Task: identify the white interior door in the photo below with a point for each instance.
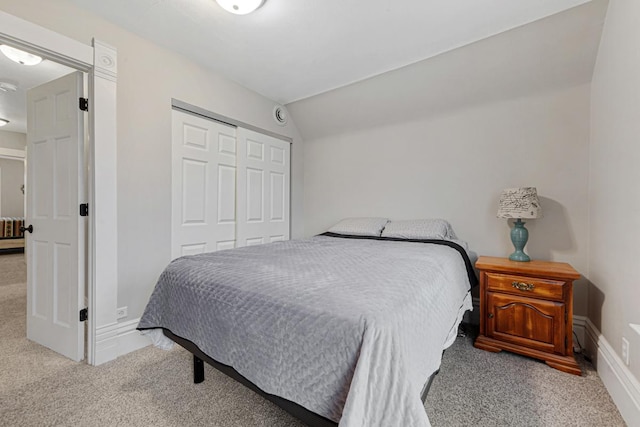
(203, 185)
(55, 188)
(263, 188)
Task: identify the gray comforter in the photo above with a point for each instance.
(350, 329)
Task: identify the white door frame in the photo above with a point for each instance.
(100, 62)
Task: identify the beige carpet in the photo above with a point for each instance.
(151, 387)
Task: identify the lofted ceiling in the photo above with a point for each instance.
(551, 54)
(291, 50)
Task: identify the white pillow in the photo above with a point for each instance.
(419, 229)
(360, 226)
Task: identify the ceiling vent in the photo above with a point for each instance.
(280, 115)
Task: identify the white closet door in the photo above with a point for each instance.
(203, 185)
(263, 189)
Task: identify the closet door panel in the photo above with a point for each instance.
(263, 188)
(203, 185)
(226, 194)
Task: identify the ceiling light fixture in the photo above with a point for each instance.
(4, 122)
(20, 56)
(240, 7)
(8, 87)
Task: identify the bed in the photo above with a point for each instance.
(337, 328)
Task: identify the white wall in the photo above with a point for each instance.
(11, 179)
(443, 137)
(13, 140)
(454, 166)
(12, 176)
(614, 181)
(148, 77)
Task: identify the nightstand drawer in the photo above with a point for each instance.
(525, 286)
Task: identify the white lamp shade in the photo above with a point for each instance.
(519, 203)
(20, 56)
(240, 7)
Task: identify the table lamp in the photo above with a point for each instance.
(519, 203)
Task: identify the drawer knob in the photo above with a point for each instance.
(523, 286)
(490, 315)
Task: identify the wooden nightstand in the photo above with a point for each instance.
(527, 308)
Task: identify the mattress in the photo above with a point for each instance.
(349, 328)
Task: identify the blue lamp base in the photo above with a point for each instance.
(519, 237)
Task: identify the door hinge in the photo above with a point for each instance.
(83, 104)
(84, 314)
(84, 209)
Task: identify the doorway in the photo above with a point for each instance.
(40, 109)
(99, 61)
(12, 261)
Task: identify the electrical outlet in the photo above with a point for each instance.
(625, 351)
(121, 312)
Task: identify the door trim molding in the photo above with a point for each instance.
(185, 107)
(100, 62)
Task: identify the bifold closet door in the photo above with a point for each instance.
(262, 188)
(203, 193)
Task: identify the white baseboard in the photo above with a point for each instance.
(622, 385)
(117, 339)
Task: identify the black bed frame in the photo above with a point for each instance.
(308, 417)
